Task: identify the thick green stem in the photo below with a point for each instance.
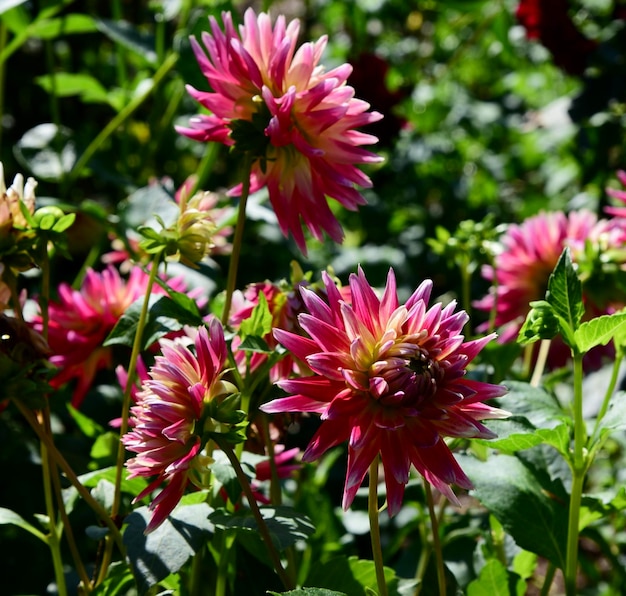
(132, 368)
(231, 282)
(434, 524)
(372, 508)
(579, 466)
(256, 512)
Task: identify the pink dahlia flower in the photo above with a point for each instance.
(80, 321)
(530, 253)
(296, 120)
(284, 305)
(389, 379)
(167, 418)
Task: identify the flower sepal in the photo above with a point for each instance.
(223, 418)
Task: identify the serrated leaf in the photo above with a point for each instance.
(286, 526)
(259, 323)
(514, 434)
(565, 294)
(557, 437)
(166, 549)
(493, 580)
(7, 516)
(600, 331)
(513, 493)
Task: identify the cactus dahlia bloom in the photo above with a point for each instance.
(389, 379)
(296, 120)
(530, 253)
(166, 420)
(80, 321)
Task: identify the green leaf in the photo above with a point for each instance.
(164, 316)
(259, 323)
(64, 84)
(165, 550)
(493, 580)
(565, 295)
(557, 437)
(615, 417)
(600, 331)
(535, 404)
(350, 575)
(118, 581)
(254, 343)
(56, 27)
(86, 425)
(125, 34)
(226, 476)
(286, 526)
(7, 516)
(522, 503)
(514, 434)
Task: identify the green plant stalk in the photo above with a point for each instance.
(69, 473)
(121, 117)
(617, 363)
(53, 537)
(372, 509)
(256, 512)
(548, 579)
(434, 524)
(132, 368)
(231, 281)
(69, 534)
(578, 466)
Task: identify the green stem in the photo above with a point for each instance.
(53, 537)
(372, 508)
(578, 466)
(69, 534)
(548, 579)
(124, 114)
(256, 512)
(434, 523)
(132, 368)
(617, 363)
(70, 474)
(231, 281)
